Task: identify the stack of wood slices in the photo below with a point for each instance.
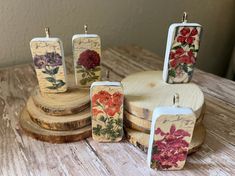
(146, 90)
(58, 118)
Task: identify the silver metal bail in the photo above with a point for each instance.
(185, 17)
(47, 31)
(176, 100)
(85, 28)
(107, 75)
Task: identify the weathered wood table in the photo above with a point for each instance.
(22, 155)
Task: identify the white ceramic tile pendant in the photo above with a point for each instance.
(182, 48)
(87, 57)
(49, 63)
(170, 136)
(107, 111)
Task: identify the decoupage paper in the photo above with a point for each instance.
(183, 54)
(87, 56)
(49, 65)
(173, 135)
(107, 113)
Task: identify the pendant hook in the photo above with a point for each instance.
(47, 31)
(85, 28)
(107, 75)
(176, 100)
(185, 17)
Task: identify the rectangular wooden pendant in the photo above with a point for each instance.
(87, 56)
(49, 64)
(181, 52)
(170, 136)
(107, 111)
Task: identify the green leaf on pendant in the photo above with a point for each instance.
(185, 68)
(60, 83)
(50, 79)
(51, 87)
(102, 119)
(96, 69)
(97, 130)
(55, 70)
(83, 81)
(172, 73)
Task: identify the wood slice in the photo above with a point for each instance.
(70, 102)
(140, 139)
(146, 90)
(35, 131)
(144, 125)
(60, 123)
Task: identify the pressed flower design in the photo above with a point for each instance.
(88, 64)
(183, 54)
(187, 35)
(106, 110)
(171, 149)
(50, 64)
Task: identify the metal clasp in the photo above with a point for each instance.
(85, 28)
(176, 100)
(185, 17)
(107, 75)
(47, 31)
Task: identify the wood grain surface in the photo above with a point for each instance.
(23, 155)
(58, 123)
(146, 90)
(32, 129)
(144, 125)
(72, 101)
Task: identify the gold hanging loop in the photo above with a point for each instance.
(47, 31)
(185, 17)
(176, 100)
(107, 75)
(85, 28)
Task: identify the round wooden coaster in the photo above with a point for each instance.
(146, 90)
(39, 133)
(60, 123)
(144, 125)
(70, 102)
(140, 139)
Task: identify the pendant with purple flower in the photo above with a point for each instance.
(50, 64)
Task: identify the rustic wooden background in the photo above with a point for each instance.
(22, 155)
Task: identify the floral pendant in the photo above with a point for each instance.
(87, 56)
(170, 138)
(49, 64)
(107, 111)
(181, 57)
